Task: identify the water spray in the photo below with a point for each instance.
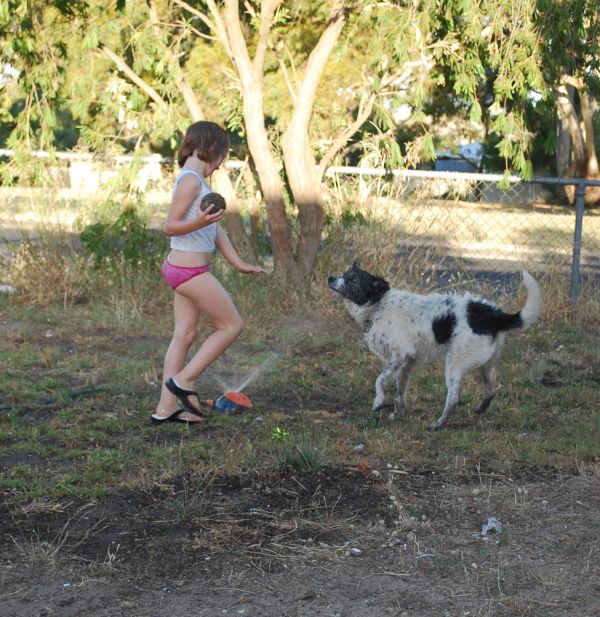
(233, 400)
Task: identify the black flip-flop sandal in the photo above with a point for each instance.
(174, 417)
(183, 395)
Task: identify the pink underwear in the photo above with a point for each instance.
(177, 275)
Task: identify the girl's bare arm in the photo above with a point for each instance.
(228, 251)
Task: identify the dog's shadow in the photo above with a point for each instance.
(381, 419)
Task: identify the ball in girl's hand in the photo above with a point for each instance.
(215, 200)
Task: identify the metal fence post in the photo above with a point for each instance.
(579, 209)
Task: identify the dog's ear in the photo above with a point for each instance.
(355, 265)
(381, 286)
(376, 289)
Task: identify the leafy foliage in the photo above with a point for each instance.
(473, 65)
(128, 238)
(116, 112)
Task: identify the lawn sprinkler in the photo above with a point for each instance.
(234, 403)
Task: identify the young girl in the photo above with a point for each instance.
(195, 235)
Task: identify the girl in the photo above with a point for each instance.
(195, 235)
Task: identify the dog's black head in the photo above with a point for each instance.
(359, 286)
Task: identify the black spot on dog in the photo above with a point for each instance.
(487, 319)
(443, 327)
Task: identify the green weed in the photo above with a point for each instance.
(303, 451)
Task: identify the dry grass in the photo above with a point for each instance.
(407, 236)
(443, 245)
(49, 267)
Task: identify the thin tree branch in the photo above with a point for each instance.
(292, 66)
(201, 16)
(201, 35)
(375, 139)
(221, 28)
(268, 9)
(183, 85)
(291, 86)
(190, 98)
(216, 25)
(314, 69)
(286, 78)
(154, 21)
(239, 50)
(131, 74)
(364, 111)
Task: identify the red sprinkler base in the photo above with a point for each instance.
(231, 402)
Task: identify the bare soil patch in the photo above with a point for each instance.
(337, 541)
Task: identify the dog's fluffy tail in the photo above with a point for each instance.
(533, 305)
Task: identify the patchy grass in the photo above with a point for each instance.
(78, 391)
(311, 478)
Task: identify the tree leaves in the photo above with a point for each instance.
(476, 60)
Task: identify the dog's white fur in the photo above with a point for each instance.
(406, 330)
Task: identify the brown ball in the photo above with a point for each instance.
(215, 200)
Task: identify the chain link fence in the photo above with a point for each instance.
(486, 228)
(463, 226)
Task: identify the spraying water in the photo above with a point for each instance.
(251, 377)
(229, 385)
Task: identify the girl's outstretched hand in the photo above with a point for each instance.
(246, 268)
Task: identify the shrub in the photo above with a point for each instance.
(128, 238)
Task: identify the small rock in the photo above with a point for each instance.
(492, 525)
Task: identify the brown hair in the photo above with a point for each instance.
(208, 139)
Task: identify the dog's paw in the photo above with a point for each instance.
(483, 405)
(378, 403)
(434, 426)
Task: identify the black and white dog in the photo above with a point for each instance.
(405, 330)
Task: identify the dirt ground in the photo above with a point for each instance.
(345, 541)
(339, 542)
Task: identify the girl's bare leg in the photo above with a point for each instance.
(210, 298)
(186, 322)
(203, 294)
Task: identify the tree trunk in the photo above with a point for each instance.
(251, 83)
(563, 147)
(303, 174)
(270, 186)
(255, 200)
(576, 151)
(587, 112)
(233, 216)
(301, 168)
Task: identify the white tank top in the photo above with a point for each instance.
(201, 240)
